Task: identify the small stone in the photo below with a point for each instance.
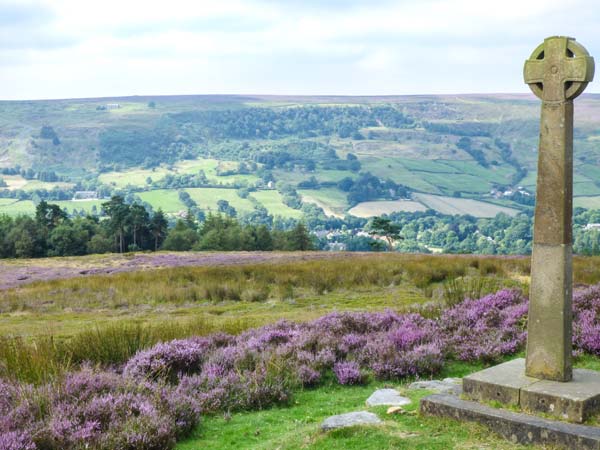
(350, 419)
(387, 397)
(395, 410)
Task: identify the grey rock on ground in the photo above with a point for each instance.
(387, 397)
(445, 386)
(350, 419)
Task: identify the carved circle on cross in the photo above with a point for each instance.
(559, 69)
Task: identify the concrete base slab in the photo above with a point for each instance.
(517, 427)
(506, 383)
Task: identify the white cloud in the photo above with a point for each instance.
(122, 47)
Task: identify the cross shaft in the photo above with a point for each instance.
(557, 72)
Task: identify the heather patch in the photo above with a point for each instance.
(159, 395)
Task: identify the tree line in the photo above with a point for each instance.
(130, 227)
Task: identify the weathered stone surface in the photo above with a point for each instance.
(387, 397)
(350, 419)
(557, 72)
(549, 347)
(501, 383)
(445, 386)
(553, 64)
(516, 427)
(574, 401)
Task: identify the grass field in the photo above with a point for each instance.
(397, 172)
(273, 202)
(585, 189)
(14, 208)
(138, 177)
(207, 199)
(298, 290)
(134, 177)
(377, 208)
(332, 200)
(80, 205)
(587, 202)
(166, 199)
(297, 176)
(451, 205)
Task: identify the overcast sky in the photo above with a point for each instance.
(88, 48)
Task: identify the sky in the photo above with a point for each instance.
(89, 48)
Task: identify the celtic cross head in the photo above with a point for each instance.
(559, 69)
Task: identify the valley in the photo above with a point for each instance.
(284, 156)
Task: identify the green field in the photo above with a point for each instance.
(134, 177)
(332, 200)
(371, 209)
(397, 172)
(138, 177)
(585, 189)
(587, 202)
(207, 199)
(273, 202)
(451, 205)
(13, 207)
(165, 199)
(81, 205)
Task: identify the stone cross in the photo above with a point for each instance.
(557, 72)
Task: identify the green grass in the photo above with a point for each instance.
(451, 205)
(298, 426)
(296, 176)
(166, 199)
(377, 208)
(587, 202)
(460, 182)
(494, 174)
(14, 208)
(35, 184)
(207, 199)
(133, 177)
(273, 202)
(585, 189)
(426, 165)
(137, 177)
(332, 200)
(396, 171)
(79, 205)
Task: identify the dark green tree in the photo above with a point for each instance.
(299, 238)
(117, 211)
(384, 227)
(159, 228)
(180, 238)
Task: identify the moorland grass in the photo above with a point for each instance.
(49, 326)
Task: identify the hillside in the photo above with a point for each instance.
(366, 155)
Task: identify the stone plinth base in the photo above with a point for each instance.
(506, 383)
(517, 427)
